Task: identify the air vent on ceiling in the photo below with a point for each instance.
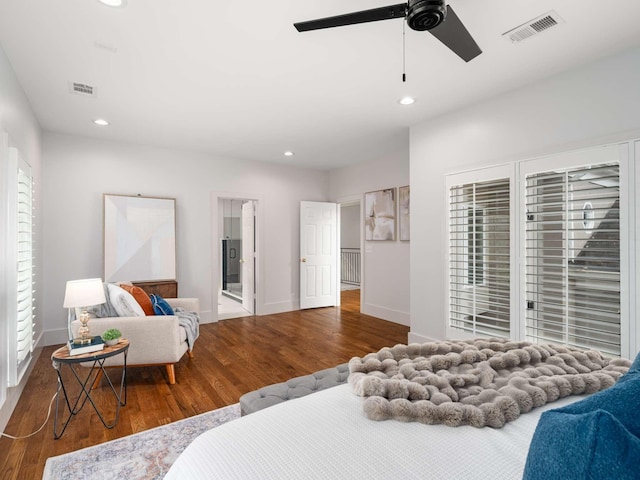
(533, 27)
(82, 89)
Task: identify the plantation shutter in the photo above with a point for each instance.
(573, 257)
(22, 326)
(479, 258)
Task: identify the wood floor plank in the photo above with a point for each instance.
(232, 357)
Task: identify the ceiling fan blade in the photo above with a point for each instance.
(454, 35)
(373, 15)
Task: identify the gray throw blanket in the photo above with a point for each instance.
(482, 382)
(104, 310)
(191, 323)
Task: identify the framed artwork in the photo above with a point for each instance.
(380, 214)
(404, 225)
(139, 238)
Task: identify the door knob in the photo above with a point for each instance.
(303, 260)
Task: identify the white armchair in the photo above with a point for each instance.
(153, 340)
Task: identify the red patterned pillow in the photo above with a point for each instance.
(141, 297)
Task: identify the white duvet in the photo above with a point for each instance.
(326, 436)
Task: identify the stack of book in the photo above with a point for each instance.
(96, 345)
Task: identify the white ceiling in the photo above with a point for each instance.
(236, 79)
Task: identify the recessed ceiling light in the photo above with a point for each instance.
(288, 153)
(101, 121)
(114, 3)
(406, 101)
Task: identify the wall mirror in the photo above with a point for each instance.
(139, 238)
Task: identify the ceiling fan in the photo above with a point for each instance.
(433, 15)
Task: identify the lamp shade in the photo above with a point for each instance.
(84, 293)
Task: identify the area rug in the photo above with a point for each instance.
(142, 456)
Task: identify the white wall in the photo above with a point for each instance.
(594, 104)
(385, 280)
(19, 122)
(80, 170)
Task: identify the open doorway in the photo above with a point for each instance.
(350, 256)
(236, 295)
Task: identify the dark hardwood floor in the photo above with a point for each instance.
(232, 357)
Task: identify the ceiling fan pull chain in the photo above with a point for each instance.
(404, 63)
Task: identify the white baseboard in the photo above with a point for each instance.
(278, 307)
(395, 316)
(417, 338)
(14, 393)
(265, 309)
(207, 317)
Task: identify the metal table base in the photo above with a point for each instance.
(74, 406)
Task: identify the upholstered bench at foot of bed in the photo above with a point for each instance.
(294, 388)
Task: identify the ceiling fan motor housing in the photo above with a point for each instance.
(425, 14)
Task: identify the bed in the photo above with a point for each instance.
(326, 435)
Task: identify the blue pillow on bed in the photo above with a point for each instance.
(598, 437)
(160, 305)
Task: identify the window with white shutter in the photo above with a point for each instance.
(21, 279)
(539, 250)
(480, 257)
(573, 257)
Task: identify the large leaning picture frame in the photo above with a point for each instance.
(139, 238)
(380, 214)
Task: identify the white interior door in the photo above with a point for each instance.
(248, 257)
(318, 254)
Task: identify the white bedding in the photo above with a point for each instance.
(326, 436)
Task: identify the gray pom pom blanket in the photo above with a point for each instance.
(482, 382)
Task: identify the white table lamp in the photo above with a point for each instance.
(82, 294)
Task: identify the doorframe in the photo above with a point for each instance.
(216, 232)
(356, 199)
(252, 253)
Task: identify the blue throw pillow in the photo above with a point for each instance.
(160, 305)
(598, 437)
(634, 368)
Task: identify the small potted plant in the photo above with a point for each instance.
(111, 336)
